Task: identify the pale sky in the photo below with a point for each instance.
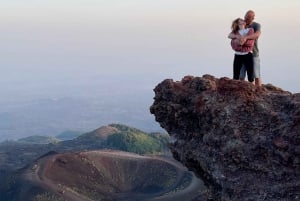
(59, 45)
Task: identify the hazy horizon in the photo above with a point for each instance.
(123, 49)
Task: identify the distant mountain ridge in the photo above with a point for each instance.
(68, 135)
(36, 139)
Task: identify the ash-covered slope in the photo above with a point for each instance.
(243, 141)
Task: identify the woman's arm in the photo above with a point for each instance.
(253, 35)
(247, 46)
(232, 35)
(249, 42)
(250, 35)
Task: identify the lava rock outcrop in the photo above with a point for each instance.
(243, 141)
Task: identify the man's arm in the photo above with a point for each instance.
(234, 36)
(252, 36)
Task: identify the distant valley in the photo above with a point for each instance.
(113, 162)
(52, 116)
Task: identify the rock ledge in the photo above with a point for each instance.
(241, 140)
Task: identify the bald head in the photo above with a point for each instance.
(250, 12)
(249, 17)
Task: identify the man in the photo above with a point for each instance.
(249, 19)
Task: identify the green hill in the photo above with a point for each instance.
(125, 138)
(134, 140)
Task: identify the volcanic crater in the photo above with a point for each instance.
(113, 175)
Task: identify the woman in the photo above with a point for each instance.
(243, 50)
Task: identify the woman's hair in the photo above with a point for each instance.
(235, 25)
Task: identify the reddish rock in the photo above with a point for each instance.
(242, 140)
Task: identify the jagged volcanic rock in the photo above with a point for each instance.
(242, 140)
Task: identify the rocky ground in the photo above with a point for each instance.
(242, 141)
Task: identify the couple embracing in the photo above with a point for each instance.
(244, 35)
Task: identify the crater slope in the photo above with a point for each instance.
(111, 175)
